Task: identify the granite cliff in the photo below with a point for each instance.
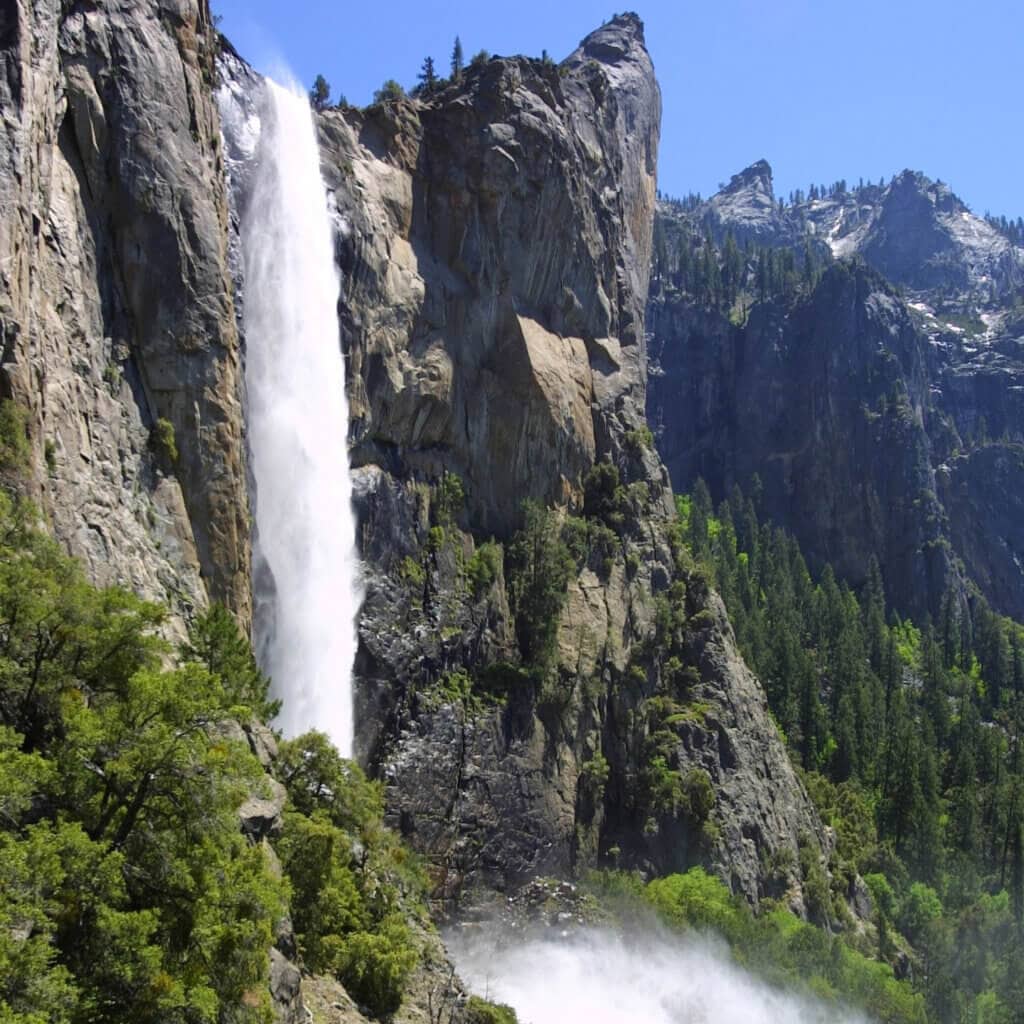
(116, 311)
(496, 244)
(871, 396)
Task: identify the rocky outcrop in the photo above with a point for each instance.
(495, 241)
(116, 310)
(747, 209)
(484, 335)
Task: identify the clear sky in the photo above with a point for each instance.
(823, 90)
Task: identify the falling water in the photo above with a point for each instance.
(305, 568)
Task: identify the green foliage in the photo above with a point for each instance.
(320, 94)
(215, 642)
(456, 687)
(374, 966)
(129, 892)
(427, 76)
(480, 1011)
(412, 571)
(596, 772)
(484, 567)
(14, 446)
(351, 880)
(920, 910)
(540, 566)
(450, 497)
(640, 440)
(164, 443)
(909, 738)
(697, 900)
(777, 945)
(390, 92)
(456, 61)
(604, 497)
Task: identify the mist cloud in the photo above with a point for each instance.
(598, 976)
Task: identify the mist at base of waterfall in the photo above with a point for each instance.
(598, 976)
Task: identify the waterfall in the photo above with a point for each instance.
(305, 567)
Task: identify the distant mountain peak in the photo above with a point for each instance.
(758, 175)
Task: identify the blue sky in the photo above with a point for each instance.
(822, 90)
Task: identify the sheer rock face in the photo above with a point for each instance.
(865, 410)
(115, 308)
(496, 252)
(829, 405)
(495, 242)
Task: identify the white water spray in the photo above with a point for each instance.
(305, 567)
(601, 977)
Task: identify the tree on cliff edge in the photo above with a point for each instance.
(457, 59)
(320, 94)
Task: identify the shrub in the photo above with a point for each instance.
(639, 440)
(374, 966)
(920, 910)
(412, 571)
(349, 876)
(164, 443)
(604, 497)
(595, 772)
(698, 794)
(576, 537)
(480, 1011)
(14, 446)
(390, 92)
(450, 497)
(484, 566)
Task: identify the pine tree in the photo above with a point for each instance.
(428, 76)
(457, 59)
(320, 94)
(700, 513)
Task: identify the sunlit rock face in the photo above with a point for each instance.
(495, 243)
(116, 305)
